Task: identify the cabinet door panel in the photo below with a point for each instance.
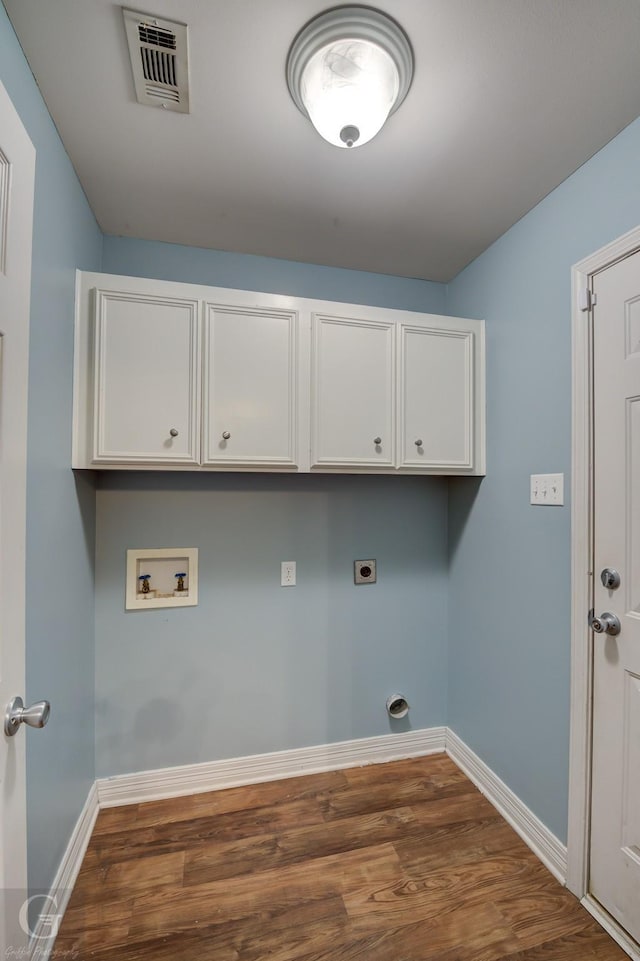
(353, 392)
(250, 386)
(437, 398)
(146, 383)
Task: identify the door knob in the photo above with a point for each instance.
(606, 624)
(16, 714)
(610, 579)
(226, 434)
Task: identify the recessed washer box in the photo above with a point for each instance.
(161, 577)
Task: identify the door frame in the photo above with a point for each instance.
(17, 184)
(582, 505)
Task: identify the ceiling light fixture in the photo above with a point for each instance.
(348, 69)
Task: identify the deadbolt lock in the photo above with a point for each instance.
(610, 579)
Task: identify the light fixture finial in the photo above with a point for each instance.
(348, 69)
(350, 135)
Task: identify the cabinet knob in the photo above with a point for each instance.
(377, 441)
(226, 434)
(173, 432)
(419, 442)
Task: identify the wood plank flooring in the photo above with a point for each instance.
(394, 862)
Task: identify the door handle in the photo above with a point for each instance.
(16, 714)
(606, 624)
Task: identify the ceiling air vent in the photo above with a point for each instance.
(159, 60)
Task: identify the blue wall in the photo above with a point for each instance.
(60, 511)
(194, 265)
(256, 667)
(509, 643)
(270, 668)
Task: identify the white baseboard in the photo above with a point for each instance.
(544, 844)
(42, 938)
(234, 772)
(611, 926)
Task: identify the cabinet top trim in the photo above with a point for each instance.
(259, 300)
(108, 293)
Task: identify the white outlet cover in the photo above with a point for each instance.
(287, 574)
(547, 490)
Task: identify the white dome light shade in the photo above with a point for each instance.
(348, 69)
(348, 89)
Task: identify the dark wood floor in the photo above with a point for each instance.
(395, 862)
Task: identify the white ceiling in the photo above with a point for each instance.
(509, 98)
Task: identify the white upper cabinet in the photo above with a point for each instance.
(353, 392)
(437, 398)
(145, 398)
(172, 376)
(250, 386)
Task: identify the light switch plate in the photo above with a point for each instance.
(547, 490)
(364, 572)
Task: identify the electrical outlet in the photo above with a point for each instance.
(288, 574)
(364, 572)
(547, 489)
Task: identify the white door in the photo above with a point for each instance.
(353, 395)
(250, 386)
(17, 164)
(615, 825)
(147, 364)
